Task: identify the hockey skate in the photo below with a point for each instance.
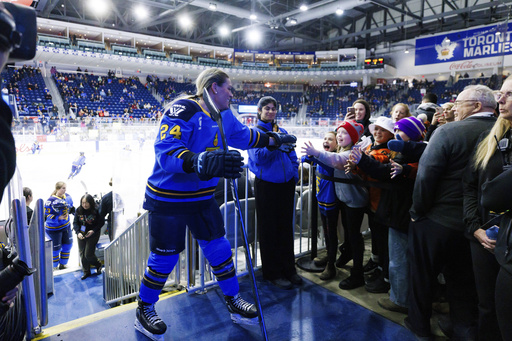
(242, 312)
(148, 323)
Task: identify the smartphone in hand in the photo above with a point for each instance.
(351, 114)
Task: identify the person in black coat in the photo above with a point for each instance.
(487, 190)
(436, 233)
(87, 226)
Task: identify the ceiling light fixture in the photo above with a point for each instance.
(140, 12)
(212, 6)
(339, 11)
(406, 51)
(303, 8)
(253, 16)
(185, 21)
(293, 21)
(224, 31)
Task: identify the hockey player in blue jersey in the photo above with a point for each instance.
(76, 167)
(190, 157)
(57, 225)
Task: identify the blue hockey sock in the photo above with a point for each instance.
(158, 269)
(218, 253)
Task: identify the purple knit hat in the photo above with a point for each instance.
(412, 127)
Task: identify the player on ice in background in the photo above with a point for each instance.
(141, 141)
(190, 158)
(76, 167)
(36, 147)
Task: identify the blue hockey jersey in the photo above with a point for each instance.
(325, 191)
(187, 129)
(54, 208)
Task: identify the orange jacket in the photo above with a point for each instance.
(382, 154)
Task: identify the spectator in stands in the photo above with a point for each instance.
(399, 111)
(436, 234)
(87, 226)
(274, 193)
(428, 106)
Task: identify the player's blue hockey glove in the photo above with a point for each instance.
(219, 163)
(396, 145)
(283, 142)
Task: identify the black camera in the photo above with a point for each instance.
(18, 31)
(12, 272)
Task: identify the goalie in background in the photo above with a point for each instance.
(76, 167)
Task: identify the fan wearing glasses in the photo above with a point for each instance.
(469, 103)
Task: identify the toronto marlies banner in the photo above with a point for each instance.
(484, 42)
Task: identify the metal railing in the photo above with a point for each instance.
(28, 242)
(126, 256)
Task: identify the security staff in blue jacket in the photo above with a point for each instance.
(190, 157)
(276, 174)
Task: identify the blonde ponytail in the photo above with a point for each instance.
(489, 145)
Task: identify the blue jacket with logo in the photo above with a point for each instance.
(273, 165)
(185, 130)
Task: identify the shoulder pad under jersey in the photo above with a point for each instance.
(182, 109)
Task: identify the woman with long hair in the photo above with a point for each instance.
(87, 226)
(493, 155)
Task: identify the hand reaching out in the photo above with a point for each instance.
(355, 155)
(349, 167)
(89, 233)
(396, 169)
(308, 149)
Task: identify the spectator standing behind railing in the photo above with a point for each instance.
(436, 234)
(353, 198)
(493, 156)
(87, 226)
(329, 209)
(396, 199)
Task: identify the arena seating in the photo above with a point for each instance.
(28, 100)
(111, 103)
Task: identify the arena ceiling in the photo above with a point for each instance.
(283, 25)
